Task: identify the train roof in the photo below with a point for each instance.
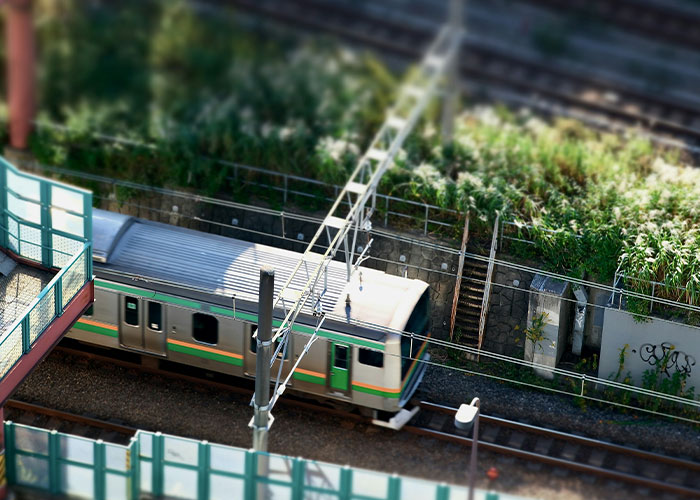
(226, 267)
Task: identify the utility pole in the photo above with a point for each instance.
(450, 100)
(262, 419)
(20, 71)
(262, 363)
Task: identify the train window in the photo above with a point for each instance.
(341, 356)
(131, 311)
(205, 328)
(371, 358)
(90, 311)
(155, 316)
(254, 344)
(253, 341)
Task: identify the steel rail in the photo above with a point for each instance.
(301, 13)
(562, 462)
(221, 384)
(647, 455)
(669, 21)
(70, 417)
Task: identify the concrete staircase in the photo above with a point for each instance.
(471, 296)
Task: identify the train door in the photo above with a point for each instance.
(141, 325)
(154, 328)
(340, 366)
(131, 322)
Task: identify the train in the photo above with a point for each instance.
(168, 292)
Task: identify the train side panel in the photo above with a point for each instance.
(336, 367)
(100, 324)
(377, 377)
(205, 340)
(312, 374)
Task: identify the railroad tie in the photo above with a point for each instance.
(437, 421)
(113, 437)
(624, 464)
(677, 476)
(652, 471)
(489, 434)
(543, 445)
(24, 418)
(80, 430)
(597, 458)
(570, 451)
(516, 440)
(53, 423)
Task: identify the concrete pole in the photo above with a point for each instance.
(262, 363)
(262, 377)
(21, 60)
(450, 101)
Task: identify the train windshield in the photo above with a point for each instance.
(417, 323)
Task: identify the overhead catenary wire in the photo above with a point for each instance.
(496, 357)
(434, 246)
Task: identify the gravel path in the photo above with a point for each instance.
(158, 404)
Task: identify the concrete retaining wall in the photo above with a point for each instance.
(647, 342)
(507, 310)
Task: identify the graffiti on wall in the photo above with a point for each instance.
(664, 354)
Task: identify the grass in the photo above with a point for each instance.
(194, 87)
(593, 201)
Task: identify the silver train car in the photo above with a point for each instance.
(190, 297)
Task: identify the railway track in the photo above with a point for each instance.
(592, 457)
(569, 451)
(662, 20)
(491, 69)
(68, 423)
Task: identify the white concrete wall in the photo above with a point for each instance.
(646, 342)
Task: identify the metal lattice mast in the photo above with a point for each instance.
(450, 101)
(360, 191)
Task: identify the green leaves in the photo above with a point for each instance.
(581, 197)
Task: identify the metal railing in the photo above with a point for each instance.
(44, 221)
(621, 277)
(520, 227)
(460, 270)
(487, 286)
(163, 466)
(384, 201)
(50, 304)
(506, 369)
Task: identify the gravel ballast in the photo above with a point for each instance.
(555, 411)
(156, 403)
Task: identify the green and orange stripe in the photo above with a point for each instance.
(205, 352)
(92, 326)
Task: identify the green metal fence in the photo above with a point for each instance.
(50, 304)
(42, 220)
(158, 465)
(49, 223)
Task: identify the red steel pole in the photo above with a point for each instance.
(21, 60)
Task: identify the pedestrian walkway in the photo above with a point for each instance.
(45, 268)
